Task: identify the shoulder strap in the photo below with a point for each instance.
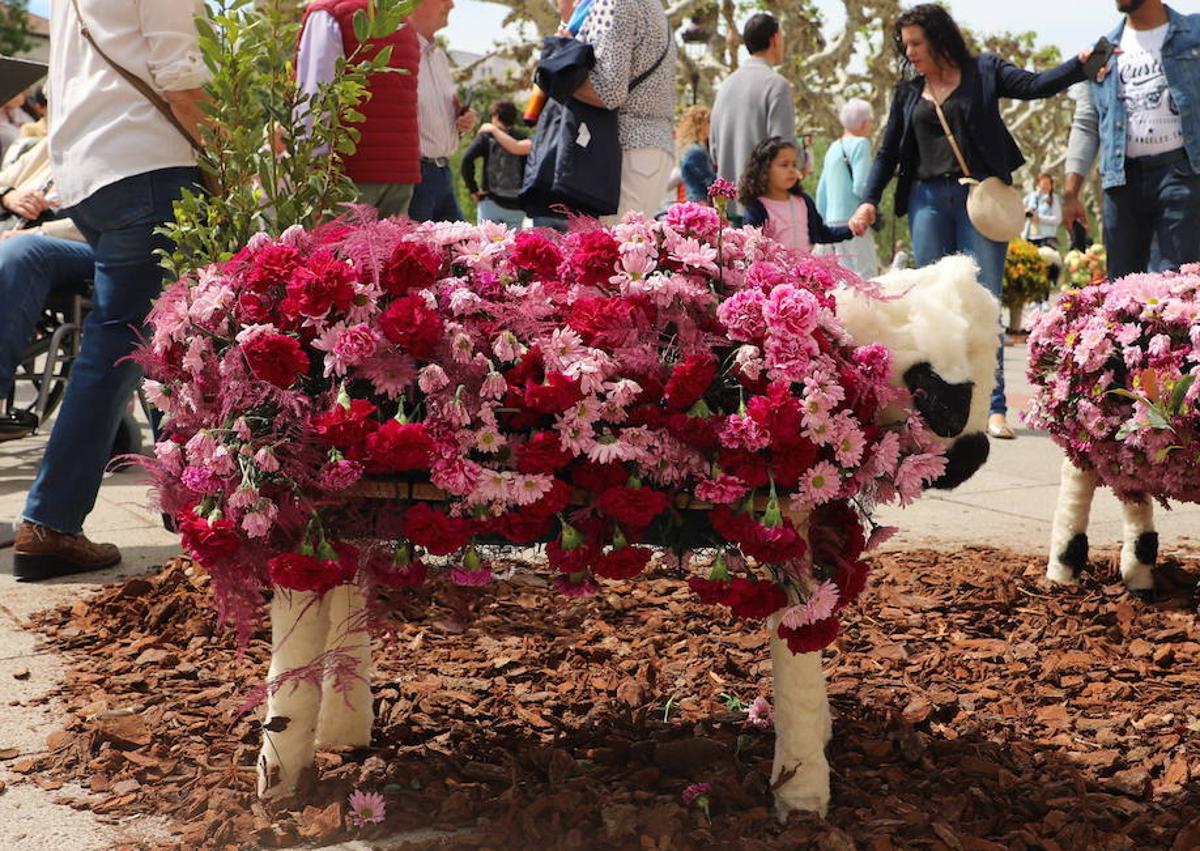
(845, 157)
(157, 100)
(641, 78)
(962, 162)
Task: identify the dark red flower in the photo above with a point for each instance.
(791, 460)
(542, 453)
(412, 325)
(552, 503)
(324, 282)
(750, 467)
(810, 638)
(593, 255)
(271, 266)
(412, 266)
(345, 427)
(299, 572)
(597, 478)
(697, 432)
(633, 507)
(732, 526)
(773, 545)
(434, 530)
(851, 579)
(534, 253)
(689, 381)
(710, 591)
(755, 600)
(255, 308)
(578, 560)
(275, 358)
(386, 572)
(624, 563)
(521, 527)
(397, 447)
(836, 532)
(778, 412)
(208, 542)
(602, 322)
(553, 396)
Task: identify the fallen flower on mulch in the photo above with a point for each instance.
(976, 709)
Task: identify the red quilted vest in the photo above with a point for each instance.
(390, 148)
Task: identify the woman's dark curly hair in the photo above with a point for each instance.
(945, 39)
(757, 172)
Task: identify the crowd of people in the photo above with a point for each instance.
(87, 201)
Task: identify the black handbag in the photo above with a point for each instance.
(576, 157)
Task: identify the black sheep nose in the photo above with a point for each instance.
(944, 406)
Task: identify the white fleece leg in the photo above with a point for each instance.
(803, 723)
(1069, 533)
(346, 718)
(299, 629)
(1139, 550)
(802, 727)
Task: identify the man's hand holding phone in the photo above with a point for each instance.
(1095, 61)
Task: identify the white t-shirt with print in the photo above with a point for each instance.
(1153, 125)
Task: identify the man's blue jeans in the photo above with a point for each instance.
(1159, 205)
(118, 221)
(433, 198)
(31, 267)
(489, 211)
(938, 221)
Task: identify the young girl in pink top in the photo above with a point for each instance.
(769, 192)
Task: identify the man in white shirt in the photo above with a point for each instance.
(442, 119)
(1144, 120)
(119, 164)
(754, 103)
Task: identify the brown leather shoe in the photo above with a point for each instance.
(41, 553)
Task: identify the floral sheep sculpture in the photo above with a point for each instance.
(581, 392)
(1114, 368)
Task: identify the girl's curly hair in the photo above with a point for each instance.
(757, 172)
(945, 39)
(693, 126)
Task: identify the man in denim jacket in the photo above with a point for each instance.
(1144, 118)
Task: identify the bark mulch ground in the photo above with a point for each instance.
(974, 709)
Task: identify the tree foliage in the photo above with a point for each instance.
(14, 27)
(274, 171)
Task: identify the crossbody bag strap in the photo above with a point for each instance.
(157, 100)
(958, 154)
(645, 75)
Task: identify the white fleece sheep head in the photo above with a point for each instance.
(942, 333)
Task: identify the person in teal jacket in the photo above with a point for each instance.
(843, 184)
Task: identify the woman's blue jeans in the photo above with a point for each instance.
(119, 222)
(938, 222)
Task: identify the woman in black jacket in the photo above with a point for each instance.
(968, 90)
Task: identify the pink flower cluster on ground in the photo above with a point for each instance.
(1114, 368)
(575, 391)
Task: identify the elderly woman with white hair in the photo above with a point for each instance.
(843, 182)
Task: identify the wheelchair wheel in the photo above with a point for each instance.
(30, 371)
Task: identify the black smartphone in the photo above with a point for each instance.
(1102, 51)
(1080, 239)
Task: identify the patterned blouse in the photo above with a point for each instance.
(629, 36)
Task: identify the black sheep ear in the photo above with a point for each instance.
(944, 406)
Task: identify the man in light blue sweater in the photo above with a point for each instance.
(754, 103)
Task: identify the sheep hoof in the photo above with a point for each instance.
(1146, 595)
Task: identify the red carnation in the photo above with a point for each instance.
(697, 432)
(542, 453)
(597, 478)
(299, 572)
(271, 266)
(791, 460)
(811, 637)
(624, 563)
(554, 502)
(208, 541)
(755, 600)
(432, 529)
(836, 533)
(602, 322)
(578, 560)
(275, 358)
(594, 255)
(412, 266)
(750, 467)
(710, 591)
(851, 579)
(255, 308)
(778, 412)
(322, 283)
(534, 253)
(386, 572)
(689, 380)
(773, 545)
(398, 447)
(554, 396)
(345, 427)
(633, 507)
(519, 527)
(732, 526)
(412, 325)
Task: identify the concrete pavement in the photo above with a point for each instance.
(1009, 503)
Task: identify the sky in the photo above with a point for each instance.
(475, 25)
